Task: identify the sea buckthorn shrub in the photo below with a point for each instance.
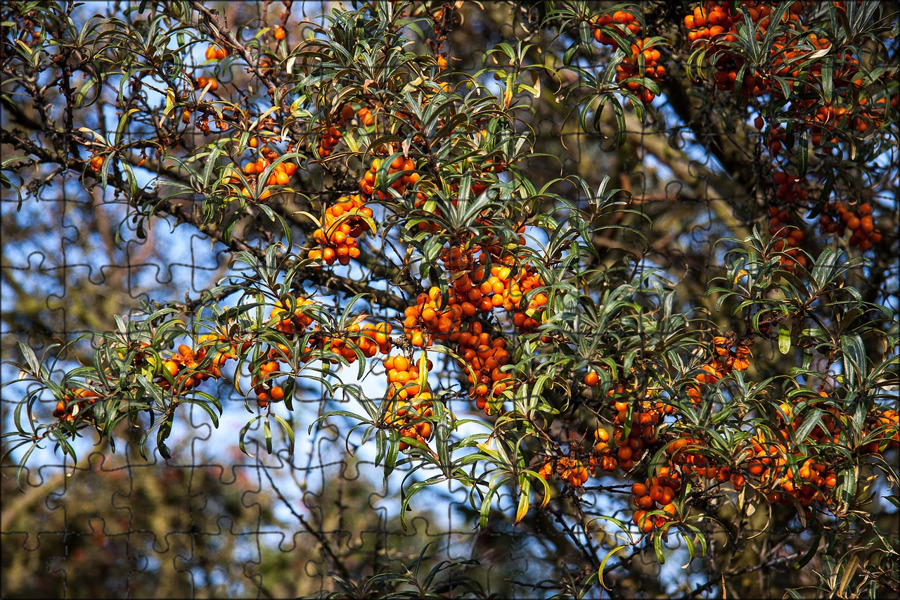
(641, 348)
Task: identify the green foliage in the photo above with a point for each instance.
(562, 338)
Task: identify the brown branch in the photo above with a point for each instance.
(182, 213)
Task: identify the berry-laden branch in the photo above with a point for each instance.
(391, 219)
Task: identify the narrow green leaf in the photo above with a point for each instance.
(784, 340)
(604, 561)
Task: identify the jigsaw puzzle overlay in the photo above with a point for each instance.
(449, 299)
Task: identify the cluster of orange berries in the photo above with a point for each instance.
(427, 320)
(837, 218)
(485, 356)
(262, 386)
(765, 461)
(472, 282)
(96, 163)
(366, 118)
(407, 403)
(473, 290)
(827, 118)
(73, 402)
(430, 319)
(646, 415)
(407, 176)
(280, 175)
(499, 289)
(624, 21)
(655, 494)
(329, 140)
(714, 24)
(492, 292)
(187, 368)
(202, 81)
(685, 457)
(728, 356)
(714, 19)
(379, 334)
(630, 66)
(224, 350)
(775, 138)
(572, 471)
(365, 115)
(403, 377)
(215, 53)
(890, 420)
(344, 223)
(182, 366)
(526, 320)
(827, 431)
(291, 322)
(787, 238)
(601, 456)
(790, 189)
(369, 338)
(474, 297)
